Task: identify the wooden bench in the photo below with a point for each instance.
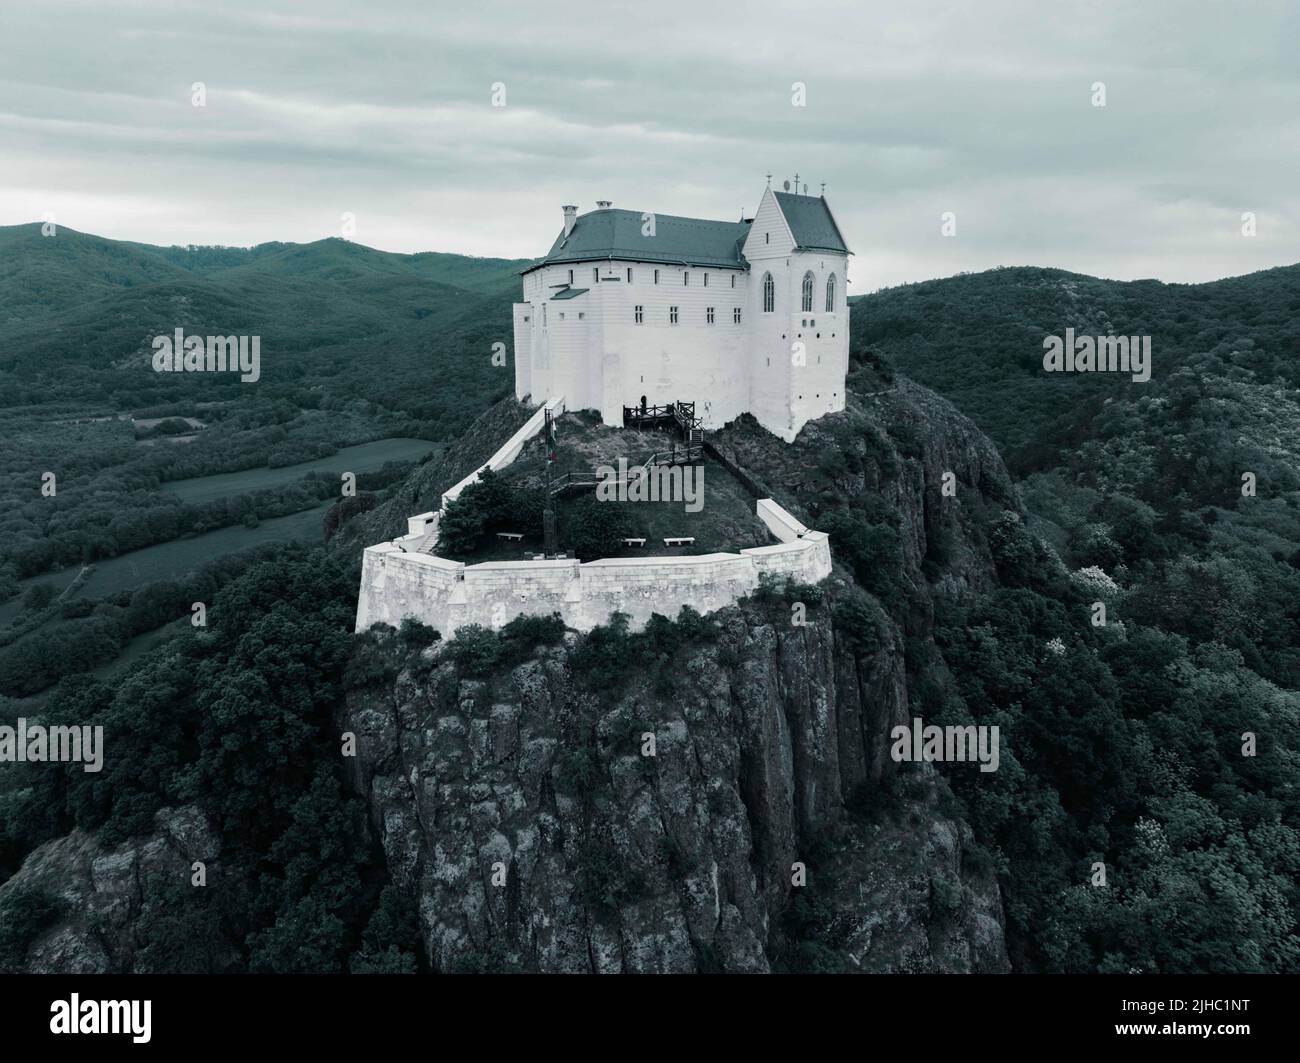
(634, 542)
(680, 540)
(513, 537)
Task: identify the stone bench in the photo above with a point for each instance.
(513, 537)
(634, 542)
(681, 540)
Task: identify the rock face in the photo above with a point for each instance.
(103, 891)
(535, 832)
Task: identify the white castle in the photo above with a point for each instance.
(630, 308)
(633, 309)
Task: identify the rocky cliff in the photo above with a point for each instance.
(722, 798)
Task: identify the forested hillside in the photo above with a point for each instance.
(1188, 687)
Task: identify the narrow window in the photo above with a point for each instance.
(640, 315)
(735, 316)
(708, 315)
(672, 315)
(570, 278)
(807, 291)
(595, 275)
(733, 280)
(686, 278)
(656, 276)
(769, 294)
(767, 238)
(706, 280)
(830, 293)
(629, 274)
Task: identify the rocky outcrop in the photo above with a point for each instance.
(529, 817)
(103, 893)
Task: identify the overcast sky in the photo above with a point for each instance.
(384, 110)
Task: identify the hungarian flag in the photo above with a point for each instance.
(550, 438)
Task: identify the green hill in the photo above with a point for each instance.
(978, 339)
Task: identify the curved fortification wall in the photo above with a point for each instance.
(397, 581)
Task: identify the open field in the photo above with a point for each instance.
(364, 457)
(175, 558)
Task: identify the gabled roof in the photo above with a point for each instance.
(611, 233)
(811, 223)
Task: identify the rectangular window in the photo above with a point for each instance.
(581, 315)
(735, 316)
(767, 238)
(672, 315)
(708, 315)
(706, 280)
(571, 277)
(595, 275)
(656, 276)
(629, 274)
(640, 315)
(526, 319)
(686, 278)
(561, 315)
(733, 280)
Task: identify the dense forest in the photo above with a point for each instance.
(1137, 727)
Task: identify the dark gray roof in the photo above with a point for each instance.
(570, 293)
(811, 223)
(611, 233)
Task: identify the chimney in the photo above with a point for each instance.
(604, 204)
(570, 217)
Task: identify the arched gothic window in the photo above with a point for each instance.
(807, 292)
(830, 294)
(769, 294)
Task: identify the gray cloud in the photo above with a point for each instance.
(383, 110)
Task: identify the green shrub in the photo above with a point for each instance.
(477, 648)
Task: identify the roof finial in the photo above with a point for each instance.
(769, 180)
(823, 190)
(796, 183)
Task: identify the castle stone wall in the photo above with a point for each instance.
(447, 595)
